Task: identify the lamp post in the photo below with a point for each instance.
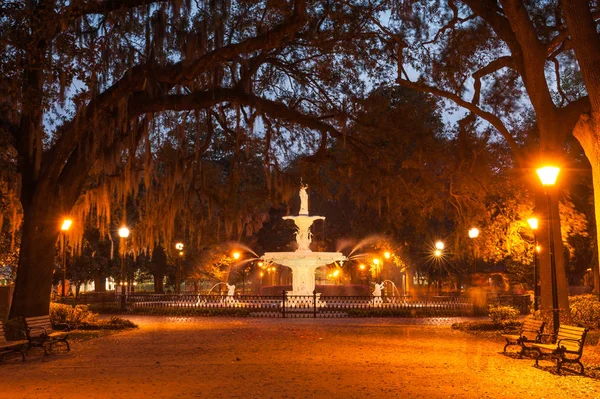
(362, 273)
(473, 234)
(179, 248)
(64, 228)
(548, 175)
(123, 233)
(439, 246)
(533, 224)
(236, 256)
(376, 263)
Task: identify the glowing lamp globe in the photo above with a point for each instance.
(66, 224)
(548, 175)
(533, 223)
(474, 232)
(123, 232)
(439, 245)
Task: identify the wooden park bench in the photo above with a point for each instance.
(567, 346)
(19, 346)
(530, 332)
(40, 333)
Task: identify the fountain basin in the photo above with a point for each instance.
(303, 265)
(303, 258)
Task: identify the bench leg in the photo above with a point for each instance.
(538, 356)
(66, 343)
(22, 350)
(581, 367)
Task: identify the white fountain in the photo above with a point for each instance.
(303, 261)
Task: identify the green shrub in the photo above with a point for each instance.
(485, 326)
(73, 317)
(585, 311)
(114, 323)
(502, 313)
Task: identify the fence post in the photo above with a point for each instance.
(315, 303)
(284, 299)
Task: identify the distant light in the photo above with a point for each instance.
(533, 223)
(439, 245)
(336, 273)
(179, 246)
(387, 254)
(538, 248)
(473, 232)
(376, 261)
(66, 224)
(236, 255)
(260, 264)
(123, 232)
(362, 267)
(261, 274)
(180, 253)
(548, 175)
(437, 253)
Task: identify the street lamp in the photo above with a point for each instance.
(548, 175)
(179, 248)
(123, 233)
(439, 246)
(473, 234)
(64, 228)
(533, 224)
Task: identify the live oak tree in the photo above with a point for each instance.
(504, 61)
(91, 90)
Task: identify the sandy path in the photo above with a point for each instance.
(290, 358)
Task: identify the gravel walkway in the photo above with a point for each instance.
(289, 358)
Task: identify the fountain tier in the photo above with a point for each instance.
(303, 265)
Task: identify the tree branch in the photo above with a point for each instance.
(144, 103)
(492, 67)
(569, 115)
(489, 117)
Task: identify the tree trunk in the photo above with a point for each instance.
(158, 283)
(588, 135)
(36, 260)
(586, 44)
(100, 283)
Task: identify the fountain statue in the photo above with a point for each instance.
(229, 299)
(303, 200)
(377, 301)
(303, 261)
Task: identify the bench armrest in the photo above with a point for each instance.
(577, 341)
